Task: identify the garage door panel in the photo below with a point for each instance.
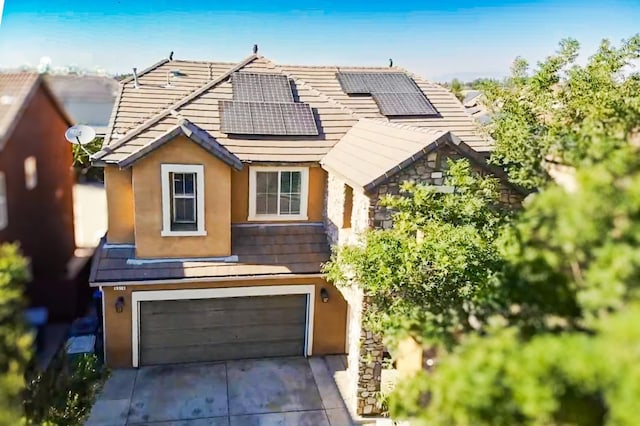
(175, 321)
(221, 352)
(222, 335)
(195, 330)
(224, 304)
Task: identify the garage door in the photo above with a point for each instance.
(174, 331)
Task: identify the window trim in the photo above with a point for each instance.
(304, 193)
(4, 205)
(165, 173)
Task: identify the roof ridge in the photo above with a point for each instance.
(145, 71)
(426, 130)
(167, 111)
(337, 67)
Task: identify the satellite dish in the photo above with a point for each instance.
(80, 134)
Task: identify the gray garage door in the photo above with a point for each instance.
(173, 331)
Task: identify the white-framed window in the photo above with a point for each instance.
(4, 211)
(182, 200)
(30, 172)
(278, 193)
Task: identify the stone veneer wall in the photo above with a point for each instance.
(364, 349)
(430, 170)
(334, 208)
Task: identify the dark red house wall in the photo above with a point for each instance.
(41, 219)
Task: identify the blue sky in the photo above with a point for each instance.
(437, 39)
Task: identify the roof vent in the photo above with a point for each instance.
(255, 49)
(135, 78)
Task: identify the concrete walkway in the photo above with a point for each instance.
(261, 392)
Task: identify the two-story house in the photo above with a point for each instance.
(36, 185)
(227, 183)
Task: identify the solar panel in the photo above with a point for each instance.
(267, 119)
(235, 117)
(276, 88)
(259, 118)
(404, 104)
(254, 87)
(298, 119)
(390, 83)
(376, 82)
(246, 87)
(353, 83)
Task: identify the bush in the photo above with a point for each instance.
(64, 393)
(15, 341)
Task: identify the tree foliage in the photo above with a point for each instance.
(438, 286)
(563, 111)
(15, 341)
(456, 88)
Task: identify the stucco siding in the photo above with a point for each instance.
(147, 193)
(329, 317)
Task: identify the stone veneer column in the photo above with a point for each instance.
(364, 358)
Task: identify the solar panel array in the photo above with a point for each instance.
(395, 93)
(403, 104)
(253, 87)
(254, 118)
(263, 104)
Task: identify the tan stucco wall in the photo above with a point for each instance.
(240, 194)
(409, 357)
(147, 193)
(329, 318)
(119, 204)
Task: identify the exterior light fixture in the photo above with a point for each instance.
(120, 304)
(324, 295)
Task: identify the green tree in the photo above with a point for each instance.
(456, 88)
(82, 160)
(15, 341)
(563, 111)
(567, 351)
(435, 287)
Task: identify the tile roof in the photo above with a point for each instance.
(452, 115)
(143, 114)
(15, 90)
(374, 149)
(194, 133)
(261, 250)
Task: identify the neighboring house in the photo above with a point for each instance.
(88, 99)
(227, 183)
(473, 103)
(36, 181)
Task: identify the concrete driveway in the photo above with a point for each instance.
(260, 392)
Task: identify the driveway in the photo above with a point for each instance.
(259, 392)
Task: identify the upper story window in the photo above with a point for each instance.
(30, 172)
(182, 200)
(278, 193)
(347, 210)
(4, 214)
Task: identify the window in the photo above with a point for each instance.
(4, 215)
(278, 193)
(348, 207)
(30, 172)
(182, 200)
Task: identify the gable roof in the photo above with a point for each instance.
(373, 151)
(192, 132)
(143, 114)
(16, 90)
